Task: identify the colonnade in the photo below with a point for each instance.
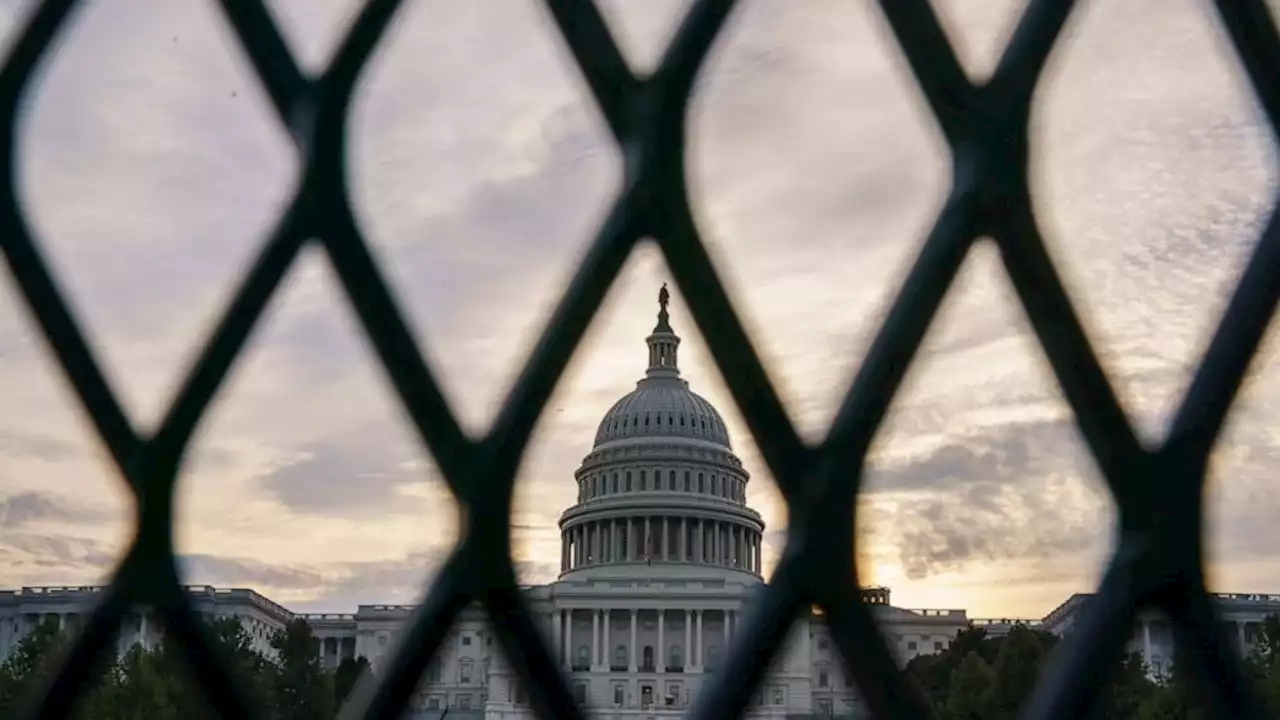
(670, 641)
(661, 538)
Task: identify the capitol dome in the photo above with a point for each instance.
(662, 405)
(661, 490)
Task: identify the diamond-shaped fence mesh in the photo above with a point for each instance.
(1157, 490)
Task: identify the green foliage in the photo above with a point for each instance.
(991, 677)
(27, 666)
(972, 689)
(303, 688)
(155, 684)
(345, 677)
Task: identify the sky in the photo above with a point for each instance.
(152, 167)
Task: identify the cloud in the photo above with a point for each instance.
(19, 510)
(340, 476)
(244, 572)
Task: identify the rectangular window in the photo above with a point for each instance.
(823, 680)
(466, 639)
(580, 693)
(464, 702)
(618, 694)
(911, 645)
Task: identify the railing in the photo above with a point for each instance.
(1158, 490)
(937, 613)
(1247, 597)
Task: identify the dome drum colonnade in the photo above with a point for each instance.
(661, 484)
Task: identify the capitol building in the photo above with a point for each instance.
(660, 559)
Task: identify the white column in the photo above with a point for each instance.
(684, 542)
(688, 637)
(661, 660)
(727, 615)
(631, 540)
(645, 548)
(700, 541)
(604, 638)
(715, 542)
(666, 539)
(632, 646)
(697, 638)
(568, 638)
(595, 638)
(614, 555)
(558, 623)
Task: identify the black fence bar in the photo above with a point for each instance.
(1158, 491)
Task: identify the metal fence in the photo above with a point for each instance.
(1157, 490)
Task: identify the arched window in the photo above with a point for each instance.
(584, 656)
(620, 656)
(701, 488)
(677, 657)
(686, 481)
(628, 481)
(648, 658)
(644, 479)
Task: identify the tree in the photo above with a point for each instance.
(26, 668)
(143, 686)
(934, 672)
(1017, 668)
(345, 677)
(303, 688)
(970, 693)
(1130, 688)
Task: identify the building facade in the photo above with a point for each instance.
(660, 559)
